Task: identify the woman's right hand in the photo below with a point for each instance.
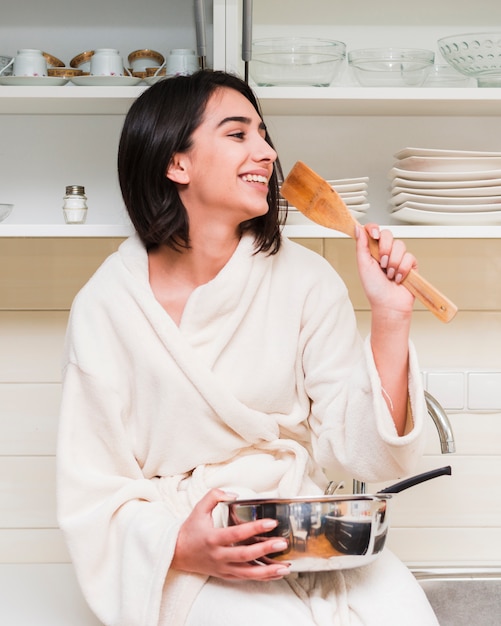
(204, 549)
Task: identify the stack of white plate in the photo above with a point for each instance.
(431, 186)
(353, 192)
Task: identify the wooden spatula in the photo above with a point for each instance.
(316, 199)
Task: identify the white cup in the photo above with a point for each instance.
(182, 61)
(106, 62)
(28, 62)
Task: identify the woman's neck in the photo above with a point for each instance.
(174, 274)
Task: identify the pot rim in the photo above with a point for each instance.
(324, 499)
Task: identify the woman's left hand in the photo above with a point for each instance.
(382, 279)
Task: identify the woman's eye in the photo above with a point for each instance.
(238, 135)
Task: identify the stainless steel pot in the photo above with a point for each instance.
(326, 532)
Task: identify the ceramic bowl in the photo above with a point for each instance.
(474, 54)
(391, 67)
(296, 61)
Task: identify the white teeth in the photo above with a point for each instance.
(255, 178)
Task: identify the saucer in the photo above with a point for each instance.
(151, 80)
(33, 80)
(97, 81)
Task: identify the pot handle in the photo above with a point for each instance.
(416, 480)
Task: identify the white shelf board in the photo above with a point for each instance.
(301, 231)
(68, 99)
(65, 230)
(104, 100)
(379, 101)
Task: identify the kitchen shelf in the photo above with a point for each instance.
(65, 230)
(383, 101)
(303, 231)
(72, 100)
(67, 100)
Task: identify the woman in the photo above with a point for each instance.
(210, 357)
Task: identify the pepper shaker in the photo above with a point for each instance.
(75, 205)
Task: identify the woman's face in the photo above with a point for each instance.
(224, 176)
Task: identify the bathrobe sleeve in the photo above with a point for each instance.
(352, 429)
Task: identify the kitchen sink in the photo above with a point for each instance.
(463, 596)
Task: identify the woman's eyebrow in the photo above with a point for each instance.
(242, 120)
(235, 118)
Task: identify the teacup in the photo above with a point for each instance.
(28, 62)
(139, 60)
(182, 61)
(106, 62)
(82, 61)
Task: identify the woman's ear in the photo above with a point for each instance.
(177, 170)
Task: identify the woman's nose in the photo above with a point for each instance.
(265, 151)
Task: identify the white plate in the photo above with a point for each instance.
(358, 215)
(151, 80)
(352, 194)
(352, 200)
(53, 81)
(468, 203)
(471, 177)
(427, 152)
(360, 208)
(450, 208)
(448, 164)
(98, 81)
(436, 218)
(350, 188)
(451, 192)
(348, 181)
(446, 184)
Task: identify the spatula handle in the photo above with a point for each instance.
(425, 292)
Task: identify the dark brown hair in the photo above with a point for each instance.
(159, 124)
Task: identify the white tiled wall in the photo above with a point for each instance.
(450, 521)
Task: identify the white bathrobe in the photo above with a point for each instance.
(265, 382)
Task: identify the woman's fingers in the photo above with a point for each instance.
(394, 257)
(228, 552)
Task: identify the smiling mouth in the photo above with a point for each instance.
(255, 178)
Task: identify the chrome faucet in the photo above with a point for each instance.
(444, 428)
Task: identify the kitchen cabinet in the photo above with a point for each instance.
(55, 136)
(345, 130)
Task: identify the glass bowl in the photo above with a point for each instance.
(445, 75)
(474, 54)
(5, 211)
(296, 61)
(391, 67)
